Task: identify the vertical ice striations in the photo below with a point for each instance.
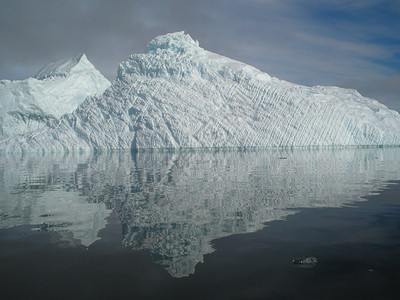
(58, 88)
(178, 95)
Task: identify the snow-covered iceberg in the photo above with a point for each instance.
(58, 88)
(178, 95)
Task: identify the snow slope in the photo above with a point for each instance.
(58, 88)
(178, 95)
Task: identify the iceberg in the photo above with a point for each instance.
(179, 95)
(58, 88)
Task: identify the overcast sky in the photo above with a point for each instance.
(346, 43)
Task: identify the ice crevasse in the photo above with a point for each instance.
(178, 95)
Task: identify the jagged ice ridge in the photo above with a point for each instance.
(178, 95)
(58, 88)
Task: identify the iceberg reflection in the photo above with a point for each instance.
(174, 204)
(34, 191)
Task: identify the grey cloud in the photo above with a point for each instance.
(37, 32)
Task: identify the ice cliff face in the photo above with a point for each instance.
(178, 95)
(58, 88)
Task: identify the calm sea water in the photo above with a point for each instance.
(201, 224)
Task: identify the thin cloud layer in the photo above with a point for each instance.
(308, 42)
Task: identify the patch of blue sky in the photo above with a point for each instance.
(392, 64)
(385, 40)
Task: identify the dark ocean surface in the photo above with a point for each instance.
(204, 224)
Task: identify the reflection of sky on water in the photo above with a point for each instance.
(175, 203)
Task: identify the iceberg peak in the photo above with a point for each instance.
(58, 88)
(177, 41)
(62, 68)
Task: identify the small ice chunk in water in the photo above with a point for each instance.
(306, 261)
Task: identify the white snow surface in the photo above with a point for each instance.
(58, 88)
(178, 95)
